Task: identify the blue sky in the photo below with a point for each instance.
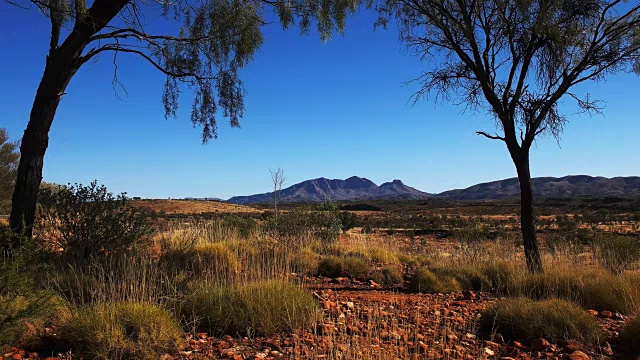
(315, 109)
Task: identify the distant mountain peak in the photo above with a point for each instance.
(352, 188)
(550, 187)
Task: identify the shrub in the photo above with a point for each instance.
(121, 331)
(590, 288)
(20, 297)
(347, 220)
(553, 319)
(343, 266)
(87, 221)
(630, 336)
(261, 308)
(305, 261)
(388, 276)
(320, 221)
(367, 229)
(423, 280)
(617, 253)
(244, 225)
(382, 256)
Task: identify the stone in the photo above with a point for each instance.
(605, 314)
(469, 295)
(540, 344)
(351, 305)
(578, 355)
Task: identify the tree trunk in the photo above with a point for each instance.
(58, 72)
(527, 213)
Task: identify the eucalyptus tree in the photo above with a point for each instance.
(213, 40)
(517, 59)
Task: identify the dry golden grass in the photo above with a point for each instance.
(193, 207)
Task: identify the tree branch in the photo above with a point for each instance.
(492, 137)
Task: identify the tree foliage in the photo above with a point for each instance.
(518, 58)
(213, 40)
(9, 157)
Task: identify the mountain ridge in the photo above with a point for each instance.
(546, 187)
(352, 188)
(357, 188)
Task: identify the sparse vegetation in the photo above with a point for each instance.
(618, 253)
(120, 331)
(81, 222)
(9, 157)
(525, 319)
(424, 280)
(343, 266)
(260, 308)
(388, 276)
(630, 335)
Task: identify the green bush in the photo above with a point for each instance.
(347, 220)
(121, 331)
(524, 319)
(343, 266)
(244, 225)
(88, 221)
(21, 299)
(261, 308)
(388, 276)
(423, 280)
(319, 221)
(630, 336)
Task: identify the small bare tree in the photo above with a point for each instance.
(278, 179)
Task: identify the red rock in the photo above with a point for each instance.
(605, 314)
(592, 312)
(606, 349)
(469, 295)
(539, 344)
(578, 355)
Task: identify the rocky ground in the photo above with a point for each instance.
(362, 321)
(379, 324)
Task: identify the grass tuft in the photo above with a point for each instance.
(121, 331)
(630, 336)
(343, 266)
(260, 308)
(553, 319)
(424, 280)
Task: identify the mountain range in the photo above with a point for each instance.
(550, 187)
(358, 188)
(353, 188)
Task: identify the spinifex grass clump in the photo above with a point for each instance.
(591, 288)
(343, 266)
(424, 280)
(525, 319)
(262, 308)
(120, 331)
(630, 336)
